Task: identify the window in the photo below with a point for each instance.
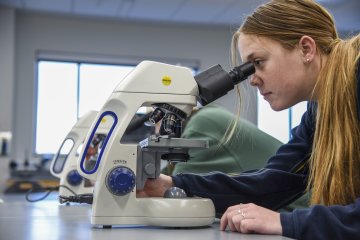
(66, 91)
(96, 83)
(279, 124)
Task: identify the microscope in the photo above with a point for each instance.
(64, 163)
(122, 168)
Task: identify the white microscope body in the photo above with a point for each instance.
(64, 163)
(122, 168)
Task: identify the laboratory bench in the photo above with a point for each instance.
(48, 219)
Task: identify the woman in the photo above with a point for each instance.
(298, 57)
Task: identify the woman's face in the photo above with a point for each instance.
(282, 76)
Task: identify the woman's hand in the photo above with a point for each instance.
(155, 187)
(250, 218)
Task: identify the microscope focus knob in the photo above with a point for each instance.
(175, 192)
(120, 181)
(74, 178)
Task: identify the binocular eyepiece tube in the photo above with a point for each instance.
(216, 82)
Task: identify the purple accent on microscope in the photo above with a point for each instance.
(104, 144)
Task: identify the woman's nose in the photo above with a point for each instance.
(254, 81)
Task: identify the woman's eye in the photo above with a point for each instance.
(258, 62)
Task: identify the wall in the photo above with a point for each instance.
(37, 32)
(7, 73)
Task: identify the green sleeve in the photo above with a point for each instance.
(248, 149)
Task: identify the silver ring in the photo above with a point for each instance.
(243, 215)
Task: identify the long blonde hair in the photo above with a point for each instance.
(334, 164)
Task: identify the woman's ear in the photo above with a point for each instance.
(307, 46)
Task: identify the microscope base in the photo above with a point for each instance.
(164, 212)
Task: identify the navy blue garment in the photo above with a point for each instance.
(281, 181)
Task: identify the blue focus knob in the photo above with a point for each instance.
(120, 181)
(74, 178)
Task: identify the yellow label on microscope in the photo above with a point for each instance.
(166, 80)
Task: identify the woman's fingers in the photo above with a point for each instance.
(250, 218)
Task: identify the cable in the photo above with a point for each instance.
(48, 189)
(78, 198)
(81, 198)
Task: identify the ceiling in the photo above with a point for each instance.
(208, 12)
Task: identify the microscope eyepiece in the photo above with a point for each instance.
(242, 72)
(216, 82)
